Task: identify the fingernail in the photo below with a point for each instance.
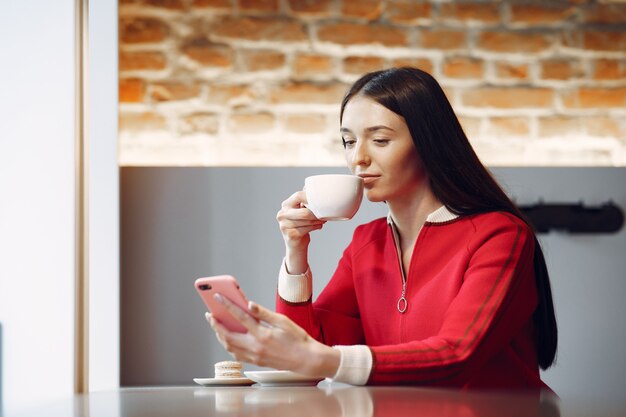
(251, 306)
(207, 316)
(219, 297)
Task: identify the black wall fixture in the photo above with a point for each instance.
(575, 218)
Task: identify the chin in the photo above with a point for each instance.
(373, 196)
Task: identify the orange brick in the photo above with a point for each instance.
(259, 60)
(168, 91)
(131, 90)
(305, 123)
(509, 126)
(306, 65)
(141, 121)
(212, 4)
(450, 94)
(513, 41)
(308, 93)
(424, 64)
(470, 125)
(609, 69)
(251, 122)
(260, 28)
(167, 4)
(199, 123)
(143, 30)
(408, 11)
(604, 126)
(463, 67)
(442, 39)
(230, 94)
(311, 7)
(133, 61)
(605, 40)
(508, 97)
(362, 64)
(364, 9)
(355, 34)
(505, 69)
(605, 13)
(481, 12)
(571, 38)
(208, 54)
(588, 97)
(538, 14)
(265, 6)
(561, 69)
(559, 126)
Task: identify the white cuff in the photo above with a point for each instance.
(355, 365)
(294, 288)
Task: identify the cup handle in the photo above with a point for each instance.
(308, 206)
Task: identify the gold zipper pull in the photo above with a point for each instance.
(402, 302)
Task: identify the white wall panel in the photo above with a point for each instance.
(104, 337)
(36, 199)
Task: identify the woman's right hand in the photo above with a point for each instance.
(296, 222)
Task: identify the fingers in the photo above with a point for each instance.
(241, 346)
(217, 328)
(276, 321)
(264, 315)
(272, 339)
(296, 222)
(293, 217)
(244, 317)
(296, 200)
(293, 209)
(300, 234)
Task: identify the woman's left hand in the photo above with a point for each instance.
(273, 340)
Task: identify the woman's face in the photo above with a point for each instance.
(379, 148)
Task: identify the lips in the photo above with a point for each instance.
(368, 178)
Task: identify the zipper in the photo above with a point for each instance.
(402, 304)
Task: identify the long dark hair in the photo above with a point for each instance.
(456, 175)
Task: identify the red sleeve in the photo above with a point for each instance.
(334, 317)
(497, 298)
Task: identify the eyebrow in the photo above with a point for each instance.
(369, 129)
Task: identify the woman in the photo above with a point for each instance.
(451, 289)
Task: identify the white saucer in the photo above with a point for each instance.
(281, 378)
(223, 382)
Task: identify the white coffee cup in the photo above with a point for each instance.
(333, 196)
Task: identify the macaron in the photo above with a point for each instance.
(228, 369)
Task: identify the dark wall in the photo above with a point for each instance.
(182, 223)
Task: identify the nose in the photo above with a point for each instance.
(360, 156)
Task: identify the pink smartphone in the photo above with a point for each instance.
(228, 287)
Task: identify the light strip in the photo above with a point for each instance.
(81, 290)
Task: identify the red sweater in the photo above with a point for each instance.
(471, 295)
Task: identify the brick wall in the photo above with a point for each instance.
(258, 82)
